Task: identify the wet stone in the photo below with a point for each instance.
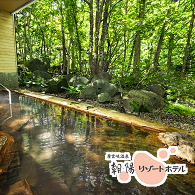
(184, 142)
(22, 187)
(8, 151)
(3, 139)
(54, 186)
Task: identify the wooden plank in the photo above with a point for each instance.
(7, 65)
(4, 51)
(6, 21)
(5, 14)
(7, 49)
(9, 57)
(4, 32)
(10, 38)
(9, 32)
(8, 71)
(4, 63)
(7, 45)
(6, 36)
(5, 25)
(7, 41)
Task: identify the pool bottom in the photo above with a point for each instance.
(62, 151)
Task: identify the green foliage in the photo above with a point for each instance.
(24, 75)
(119, 51)
(27, 79)
(180, 109)
(74, 90)
(127, 80)
(36, 82)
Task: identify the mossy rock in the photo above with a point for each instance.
(148, 98)
(98, 87)
(43, 74)
(142, 101)
(88, 93)
(104, 97)
(68, 77)
(37, 64)
(135, 105)
(103, 86)
(158, 89)
(78, 80)
(102, 75)
(55, 87)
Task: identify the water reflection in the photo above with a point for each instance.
(71, 146)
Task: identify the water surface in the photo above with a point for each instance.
(69, 147)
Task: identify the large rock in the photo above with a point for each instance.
(135, 105)
(37, 64)
(92, 90)
(141, 101)
(3, 139)
(184, 142)
(102, 75)
(158, 89)
(43, 74)
(8, 150)
(55, 87)
(68, 77)
(103, 86)
(175, 138)
(104, 97)
(88, 93)
(78, 80)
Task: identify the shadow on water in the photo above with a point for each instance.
(70, 146)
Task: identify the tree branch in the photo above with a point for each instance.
(114, 6)
(87, 2)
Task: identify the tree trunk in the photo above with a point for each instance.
(90, 3)
(79, 44)
(64, 65)
(29, 37)
(188, 43)
(158, 49)
(125, 41)
(108, 55)
(68, 52)
(131, 55)
(98, 19)
(169, 61)
(103, 36)
(137, 53)
(138, 39)
(24, 54)
(49, 52)
(19, 39)
(73, 60)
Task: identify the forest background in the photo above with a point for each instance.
(139, 42)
